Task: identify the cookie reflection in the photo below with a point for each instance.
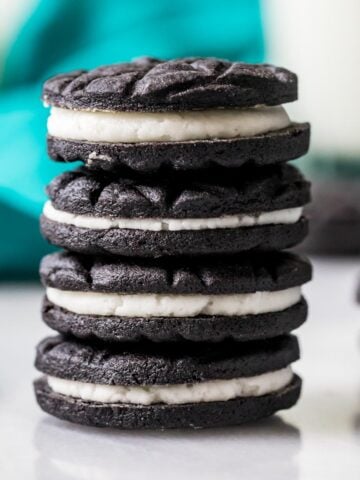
(67, 452)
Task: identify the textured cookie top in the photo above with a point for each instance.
(152, 85)
(250, 190)
(154, 364)
(249, 272)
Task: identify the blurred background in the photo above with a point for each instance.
(39, 38)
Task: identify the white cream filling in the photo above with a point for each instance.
(210, 391)
(171, 305)
(285, 216)
(133, 127)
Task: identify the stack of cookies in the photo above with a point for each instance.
(173, 298)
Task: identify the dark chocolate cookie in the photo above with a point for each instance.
(201, 328)
(265, 149)
(250, 191)
(218, 193)
(141, 243)
(248, 274)
(160, 416)
(151, 85)
(162, 364)
(245, 273)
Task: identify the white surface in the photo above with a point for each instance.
(210, 391)
(133, 127)
(172, 305)
(318, 439)
(285, 216)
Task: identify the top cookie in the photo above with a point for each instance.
(246, 273)
(152, 85)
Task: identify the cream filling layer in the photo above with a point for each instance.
(210, 391)
(285, 216)
(171, 305)
(134, 127)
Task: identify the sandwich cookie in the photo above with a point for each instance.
(165, 386)
(226, 212)
(247, 297)
(184, 114)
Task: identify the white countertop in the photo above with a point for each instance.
(318, 439)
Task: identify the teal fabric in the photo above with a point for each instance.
(61, 35)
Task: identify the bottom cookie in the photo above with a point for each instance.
(162, 416)
(201, 328)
